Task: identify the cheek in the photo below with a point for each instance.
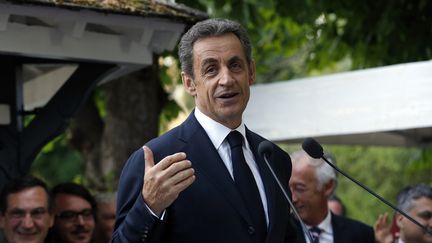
(91, 223)
(63, 226)
(13, 224)
(44, 223)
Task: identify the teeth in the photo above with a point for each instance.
(227, 95)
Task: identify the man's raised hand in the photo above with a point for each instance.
(164, 181)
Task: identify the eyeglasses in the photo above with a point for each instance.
(18, 214)
(70, 215)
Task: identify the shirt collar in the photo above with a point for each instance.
(216, 131)
(325, 225)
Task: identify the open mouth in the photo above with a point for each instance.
(227, 95)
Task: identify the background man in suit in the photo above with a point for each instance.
(416, 201)
(194, 193)
(75, 210)
(312, 182)
(26, 210)
(105, 217)
(336, 205)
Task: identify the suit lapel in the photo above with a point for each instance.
(205, 159)
(300, 234)
(338, 233)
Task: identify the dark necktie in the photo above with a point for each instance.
(246, 185)
(315, 232)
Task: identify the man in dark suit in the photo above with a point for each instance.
(195, 193)
(26, 210)
(312, 182)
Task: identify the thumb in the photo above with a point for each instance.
(148, 158)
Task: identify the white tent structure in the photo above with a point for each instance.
(389, 105)
(54, 53)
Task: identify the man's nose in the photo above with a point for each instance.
(80, 219)
(294, 196)
(27, 221)
(226, 76)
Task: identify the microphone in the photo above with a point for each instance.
(265, 148)
(315, 150)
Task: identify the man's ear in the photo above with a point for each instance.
(188, 84)
(252, 75)
(329, 188)
(398, 219)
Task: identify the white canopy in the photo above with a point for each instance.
(389, 105)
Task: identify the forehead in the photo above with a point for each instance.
(106, 206)
(65, 201)
(423, 203)
(217, 47)
(32, 197)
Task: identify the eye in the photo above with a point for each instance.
(67, 215)
(425, 215)
(210, 70)
(236, 66)
(17, 213)
(87, 213)
(38, 213)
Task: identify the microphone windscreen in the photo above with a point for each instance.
(313, 148)
(265, 147)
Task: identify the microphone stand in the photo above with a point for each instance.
(429, 231)
(303, 226)
(315, 150)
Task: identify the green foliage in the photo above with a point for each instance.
(299, 38)
(58, 163)
(99, 99)
(280, 44)
(422, 165)
(170, 111)
(385, 170)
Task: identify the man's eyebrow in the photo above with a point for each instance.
(235, 59)
(208, 61)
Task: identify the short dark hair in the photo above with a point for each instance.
(407, 196)
(209, 28)
(75, 189)
(19, 184)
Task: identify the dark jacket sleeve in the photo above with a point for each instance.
(134, 222)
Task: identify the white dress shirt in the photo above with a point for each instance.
(326, 235)
(217, 134)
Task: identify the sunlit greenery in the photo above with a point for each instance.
(58, 163)
(383, 169)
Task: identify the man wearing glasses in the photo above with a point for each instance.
(25, 210)
(74, 211)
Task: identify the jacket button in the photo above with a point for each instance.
(251, 230)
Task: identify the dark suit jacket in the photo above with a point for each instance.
(210, 210)
(345, 230)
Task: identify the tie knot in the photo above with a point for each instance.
(315, 231)
(235, 139)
